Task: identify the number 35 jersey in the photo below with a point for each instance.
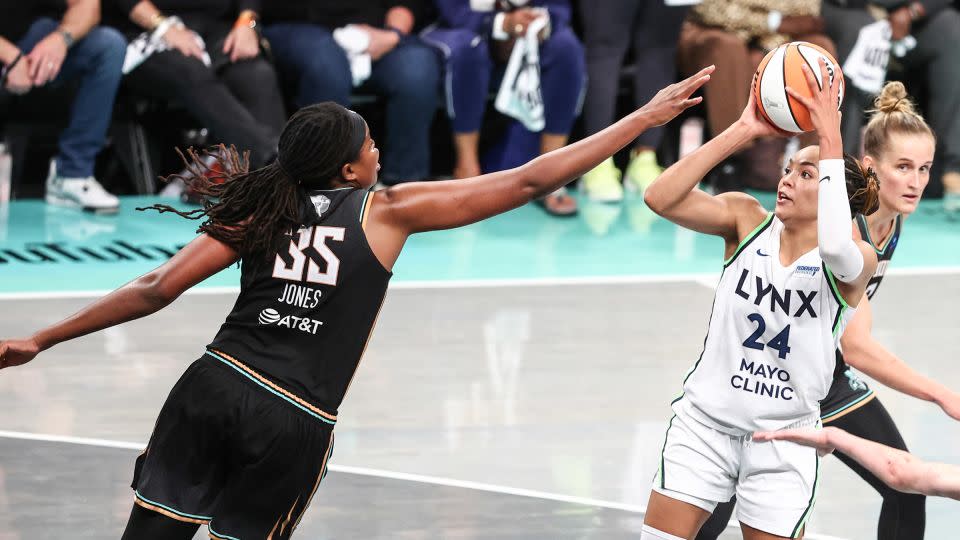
(768, 358)
(303, 317)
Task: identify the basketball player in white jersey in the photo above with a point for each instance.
(790, 283)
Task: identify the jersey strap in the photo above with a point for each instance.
(749, 238)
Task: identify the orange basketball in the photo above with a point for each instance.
(781, 68)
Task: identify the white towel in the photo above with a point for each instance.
(866, 65)
(519, 95)
(147, 43)
(355, 41)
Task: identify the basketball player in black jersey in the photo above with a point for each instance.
(899, 148)
(243, 440)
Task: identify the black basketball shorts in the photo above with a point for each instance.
(229, 452)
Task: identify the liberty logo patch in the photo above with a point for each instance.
(321, 203)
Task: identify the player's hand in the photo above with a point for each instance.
(46, 58)
(17, 351)
(755, 124)
(816, 438)
(824, 101)
(674, 99)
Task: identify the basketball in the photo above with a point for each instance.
(780, 68)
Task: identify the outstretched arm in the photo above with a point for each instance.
(898, 469)
(851, 261)
(426, 206)
(862, 351)
(147, 294)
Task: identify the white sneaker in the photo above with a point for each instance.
(84, 193)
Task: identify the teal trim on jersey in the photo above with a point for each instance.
(215, 534)
(661, 473)
(268, 389)
(897, 222)
(749, 238)
(830, 415)
(172, 510)
(813, 499)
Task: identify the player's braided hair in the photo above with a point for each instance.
(863, 186)
(251, 210)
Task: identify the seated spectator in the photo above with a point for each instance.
(935, 27)
(735, 35)
(41, 44)
(384, 58)
(205, 55)
(609, 27)
(477, 44)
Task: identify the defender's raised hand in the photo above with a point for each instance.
(674, 99)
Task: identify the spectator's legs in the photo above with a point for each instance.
(254, 83)
(562, 81)
(409, 78)
(938, 41)
(172, 76)
(308, 54)
(607, 27)
(466, 85)
(655, 50)
(726, 95)
(96, 60)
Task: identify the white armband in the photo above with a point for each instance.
(834, 228)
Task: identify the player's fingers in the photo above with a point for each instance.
(687, 103)
(804, 100)
(698, 79)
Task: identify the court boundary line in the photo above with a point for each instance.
(701, 278)
(393, 475)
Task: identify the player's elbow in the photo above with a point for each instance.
(654, 200)
(901, 474)
(156, 291)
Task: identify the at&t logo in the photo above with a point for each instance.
(271, 317)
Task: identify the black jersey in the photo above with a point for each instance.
(303, 316)
(847, 389)
(884, 254)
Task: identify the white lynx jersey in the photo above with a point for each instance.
(768, 358)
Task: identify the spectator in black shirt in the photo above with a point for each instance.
(386, 60)
(45, 43)
(206, 56)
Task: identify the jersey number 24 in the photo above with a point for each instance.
(780, 342)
